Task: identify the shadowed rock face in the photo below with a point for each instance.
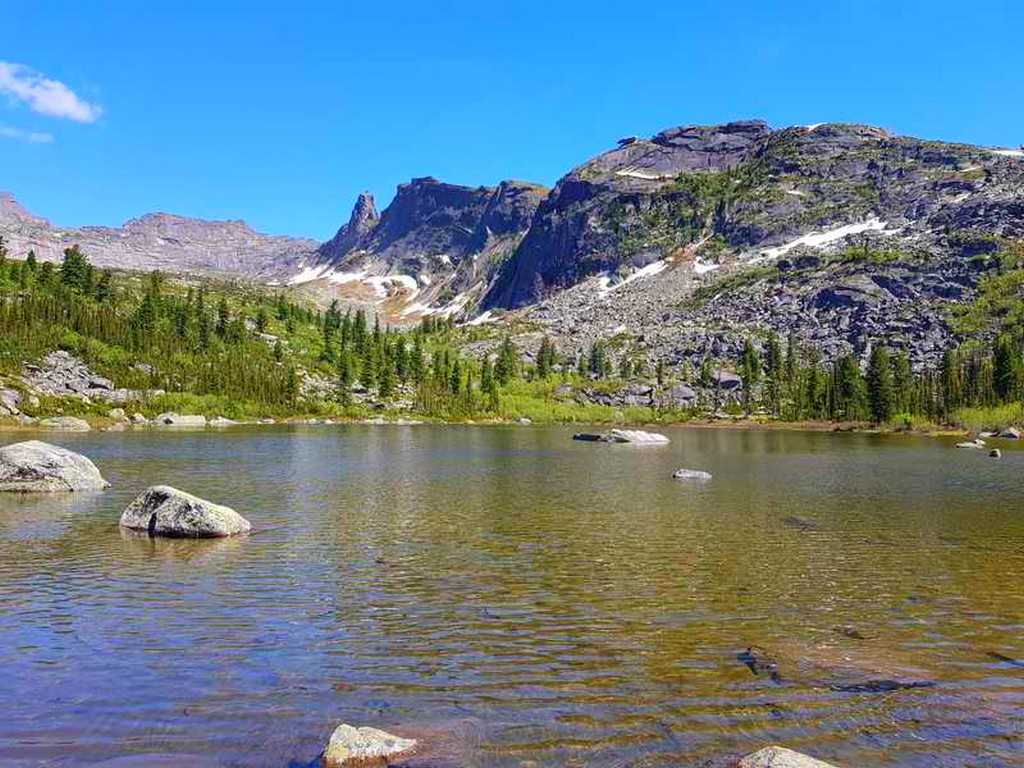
(38, 467)
(429, 218)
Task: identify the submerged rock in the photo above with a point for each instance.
(976, 444)
(165, 511)
(221, 421)
(780, 757)
(350, 746)
(759, 664)
(38, 467)
(633, 436)
(66, 423)
(691, 474)
(995, 453)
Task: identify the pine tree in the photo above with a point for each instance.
(598, 364)
(455, 379)
(202, 321)
(849, 389)
(545, 358)
(750, 372)
(508, 362)
(104, 287)
(902, 383)
(775, 372)
(879, 385)
(951, 383)
(1006, 368)
(486, 374)
(223, 316)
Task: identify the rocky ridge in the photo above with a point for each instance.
(159, 241)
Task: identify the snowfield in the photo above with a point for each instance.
(655, 267)
(818, 239)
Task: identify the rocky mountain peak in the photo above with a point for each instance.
(714, 146)
(363, 219)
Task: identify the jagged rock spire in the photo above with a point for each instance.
(363, 219)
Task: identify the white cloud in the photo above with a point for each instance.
(29, 137)
(45, 96)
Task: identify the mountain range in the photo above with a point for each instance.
(679, 244)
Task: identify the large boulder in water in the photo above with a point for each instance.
(166, 511)
(35, 466)
(780, 757)
(350, 746)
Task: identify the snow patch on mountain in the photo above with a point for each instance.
(818, 239)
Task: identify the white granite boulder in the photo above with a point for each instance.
(350, 746)
(38, 467)
(165, 511)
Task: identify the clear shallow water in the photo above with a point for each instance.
(549, 601)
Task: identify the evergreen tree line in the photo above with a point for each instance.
(212, 342)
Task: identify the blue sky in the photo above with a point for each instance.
(281, 113)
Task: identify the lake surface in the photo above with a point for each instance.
(533, 598)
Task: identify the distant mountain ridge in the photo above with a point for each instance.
(159, 241)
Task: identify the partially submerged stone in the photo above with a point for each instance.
(165, 511)
(976, 444)
(351, 746)
(780, 757)
(38, 467)
(691, 474)
(632, 436)
(221, 421)
(66, 424)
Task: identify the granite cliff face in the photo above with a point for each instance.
(159, 241)
(742, 189)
